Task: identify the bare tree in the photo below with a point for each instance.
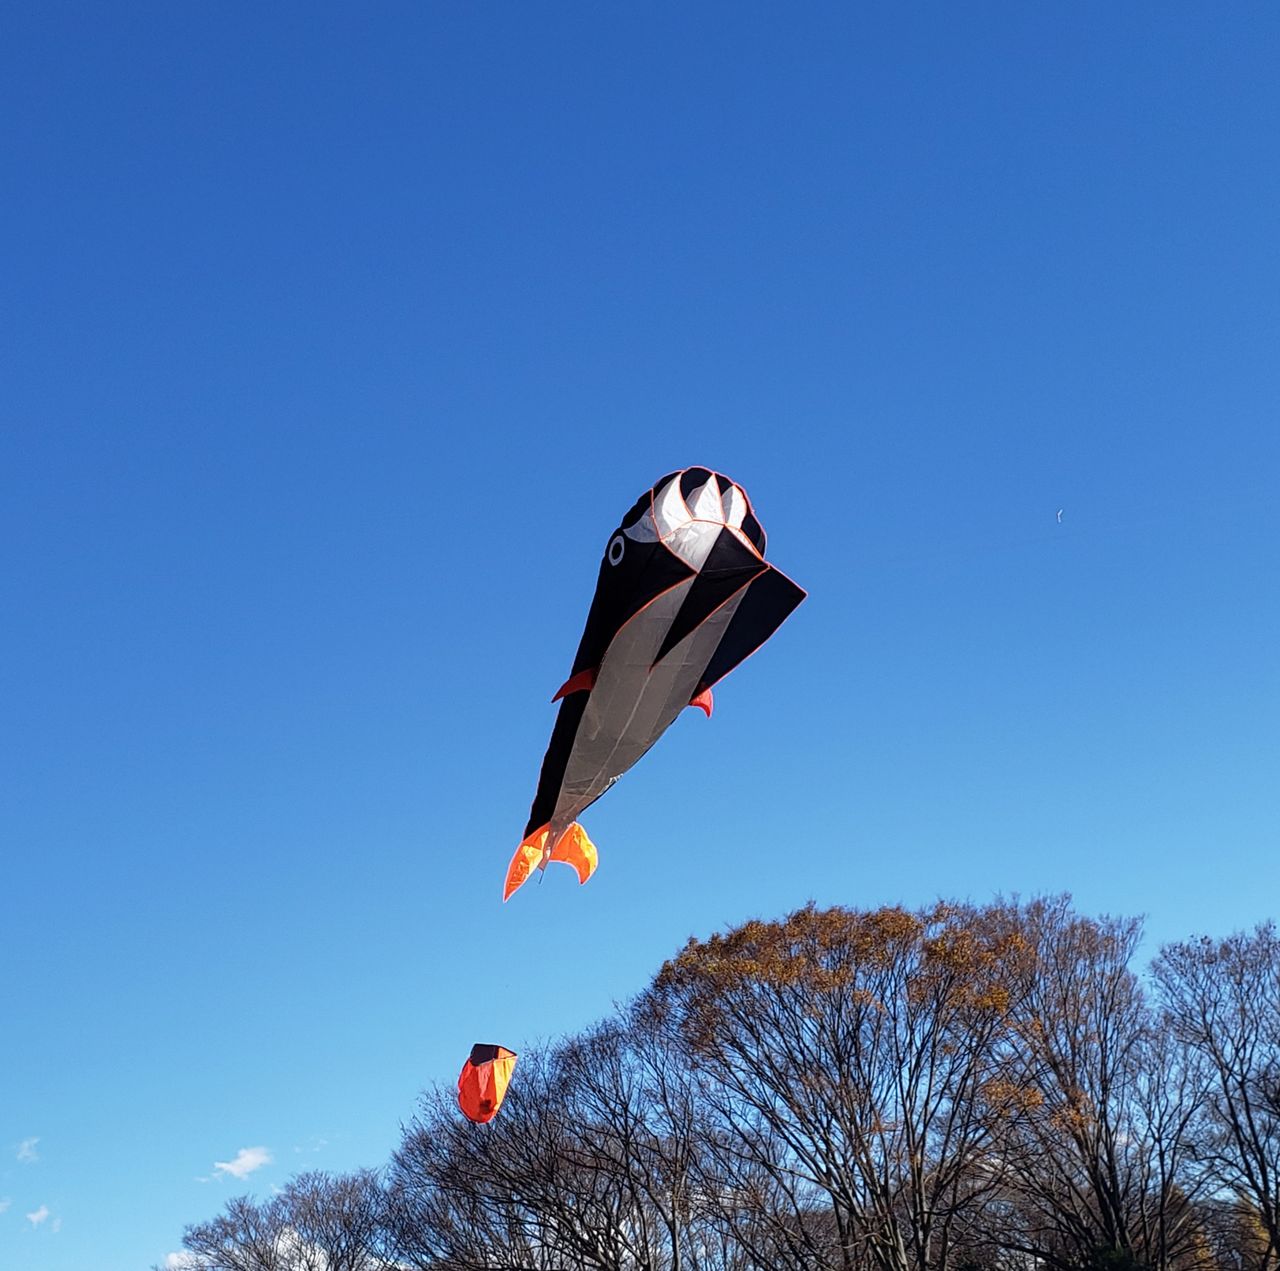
(246, 1236)
(637, 1117)
(338, 1222)
(1101, 1135)
(1222, 1002)
(317, 1222)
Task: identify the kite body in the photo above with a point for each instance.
(684, 594)
(482, 1083)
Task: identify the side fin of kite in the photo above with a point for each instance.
(573, 848)
(583, 681)
(703, 701)
(576, 849)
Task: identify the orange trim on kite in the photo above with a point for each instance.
(573, 848)
(704, 702)
(583, 681)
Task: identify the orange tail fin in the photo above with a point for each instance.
(577, 850)
(573, 848)
(527, 858)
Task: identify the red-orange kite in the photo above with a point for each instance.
(684, 595)
(482, 1083)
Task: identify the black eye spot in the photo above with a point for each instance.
(616, 548)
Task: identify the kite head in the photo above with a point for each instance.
(687, 512)
(694, 522)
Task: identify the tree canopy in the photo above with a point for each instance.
(958, 1088)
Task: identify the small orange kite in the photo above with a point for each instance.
(482, 1084)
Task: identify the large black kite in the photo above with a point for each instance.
(684, 595)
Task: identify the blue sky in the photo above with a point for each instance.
(337, 339)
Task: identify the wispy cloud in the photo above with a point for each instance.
(37, 1216)
(5, 1202)
(180, 1261)
(247, 1159)
(27, 1149)
(56, 1225)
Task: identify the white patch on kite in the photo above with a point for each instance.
(693, 542)
(670, 511)
(644, 530)
(705, 503)
(735, 507)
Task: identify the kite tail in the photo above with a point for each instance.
(573, 848)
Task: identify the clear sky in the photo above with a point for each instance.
(336, 339)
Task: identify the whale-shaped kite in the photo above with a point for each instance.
(684, 595)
